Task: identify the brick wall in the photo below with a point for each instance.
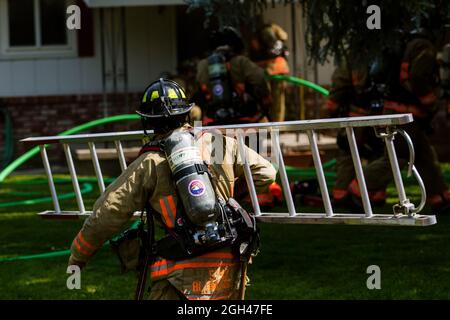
(50, 115)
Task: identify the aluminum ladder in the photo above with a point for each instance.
(387, 127)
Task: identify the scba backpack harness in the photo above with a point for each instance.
(204, 222)
(225, 103)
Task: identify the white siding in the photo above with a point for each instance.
(69, 75)
(151, 40)
(152, 48)
(22, 77)
(5, 78)
(46, 76)
(90, 75)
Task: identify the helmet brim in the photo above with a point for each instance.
(175, 113)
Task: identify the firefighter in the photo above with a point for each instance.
(268, 49)
(186, 73)
(232, 89)
(352, 95)
(183, 188)
(413, 89)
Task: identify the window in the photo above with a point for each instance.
(35, 28)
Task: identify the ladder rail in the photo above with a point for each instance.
(319, 124)
(299, 125)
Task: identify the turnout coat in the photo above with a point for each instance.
(214, 275)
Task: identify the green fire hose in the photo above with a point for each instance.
(34, 151)
(301, 82)
(87, 187)
(127, 117)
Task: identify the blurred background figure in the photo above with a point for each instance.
(186, 77)
(352, 95)
(408, 77)
(444, 63)
(232, 89)
(268, 49)
(186, 73)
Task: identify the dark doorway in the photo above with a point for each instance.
(192, 37)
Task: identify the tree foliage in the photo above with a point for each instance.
(337, 28)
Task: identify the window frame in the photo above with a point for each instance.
(39, 50)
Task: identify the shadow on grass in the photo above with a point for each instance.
(295, 262)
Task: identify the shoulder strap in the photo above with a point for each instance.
(151, 146)
(148, 241)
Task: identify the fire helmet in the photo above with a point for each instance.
(164, 106)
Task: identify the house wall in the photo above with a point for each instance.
(50, 115)
(49, 95)
(151, 36)
(151, 42)
(46, 96)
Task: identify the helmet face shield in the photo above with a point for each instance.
(168, 113)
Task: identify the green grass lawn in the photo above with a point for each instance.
(296, 261)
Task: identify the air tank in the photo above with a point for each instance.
(195, 189)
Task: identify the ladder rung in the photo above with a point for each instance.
(312, 135)
(359, 171)
(283, 174)
(74, 178)
(248, 173)
(97, 168)
(51, 183)
(122, 161)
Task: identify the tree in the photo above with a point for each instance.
(337, 28)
